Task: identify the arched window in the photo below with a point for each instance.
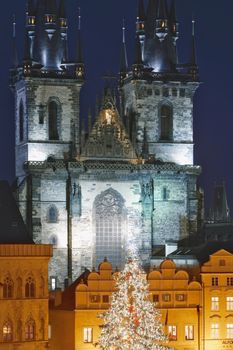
(21, 122)
(52, 215)
(109, 217)
(53, 240)
(53, 120)
(8, 288)
(30, 288)
(166, 123)
(7, 331)
(30, 330)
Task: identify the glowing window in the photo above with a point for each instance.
(87, 335)
(7, 331)
(8, 288)
(180, 297)
(30, 288)
(166, 297)
(94, 298)
(166, 122)
(214, 330)
(214, 281)
(229, 303)
(189, 332)
(109, 217)
(230, 281)
(215, 304)
(53, 120)
(30, 330)
(172, 332)
(230, 330)
(53, 283)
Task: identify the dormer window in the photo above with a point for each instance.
(31, 20)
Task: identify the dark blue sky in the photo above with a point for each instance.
(101, 27)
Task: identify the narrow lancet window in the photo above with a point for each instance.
(166, 123)
(53, 120)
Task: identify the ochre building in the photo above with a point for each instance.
(197, 311)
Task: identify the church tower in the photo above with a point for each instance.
(47, 124)
(157, 94)
(46, 87)
(127, 181)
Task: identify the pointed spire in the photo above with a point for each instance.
(161, 21)
(151, 15)
(138, 64)
(138, 51)
(123, 59)
(62, 9)
(30, 8)
(193, 60)
(173, 24)
(15, 53)
(220, 209)
(80, 63)
(50, 7)
(141, 11)
(162, 10)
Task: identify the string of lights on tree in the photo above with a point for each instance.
(132, 321)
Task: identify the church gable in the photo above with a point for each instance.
(108, 138)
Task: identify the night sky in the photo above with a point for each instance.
(101, 30)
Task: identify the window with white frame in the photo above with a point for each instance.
(214, 330)
(172, 332)
(189, 332)
(53, 283)
(214, 303)
(230, 330)
(87, 334)
(229, 303)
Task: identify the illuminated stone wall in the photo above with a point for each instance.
(144, 100)
(35, 95)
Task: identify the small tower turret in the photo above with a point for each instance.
(174, 25)
(124, 60)
(138, 64)
(80, 69)
(193, 70)
(63, 30)
(31, 25)
(50, 17)
(15, 61)
(162, 21)
(140, 24)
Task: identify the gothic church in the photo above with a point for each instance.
(131, 179)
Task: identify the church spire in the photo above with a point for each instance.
(138, 64)
(193, 60)
(151, 15)
(174, 25)
(140, 24)
(63, 30)
(80, 62)
(220, 210)
(162, 20)
(15, 53)
(123, 60)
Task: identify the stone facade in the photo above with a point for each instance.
(131, 180)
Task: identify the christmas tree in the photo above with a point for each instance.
(132, 322)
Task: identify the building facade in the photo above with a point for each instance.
(196, 310)
(129, 180)
(24, 296)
